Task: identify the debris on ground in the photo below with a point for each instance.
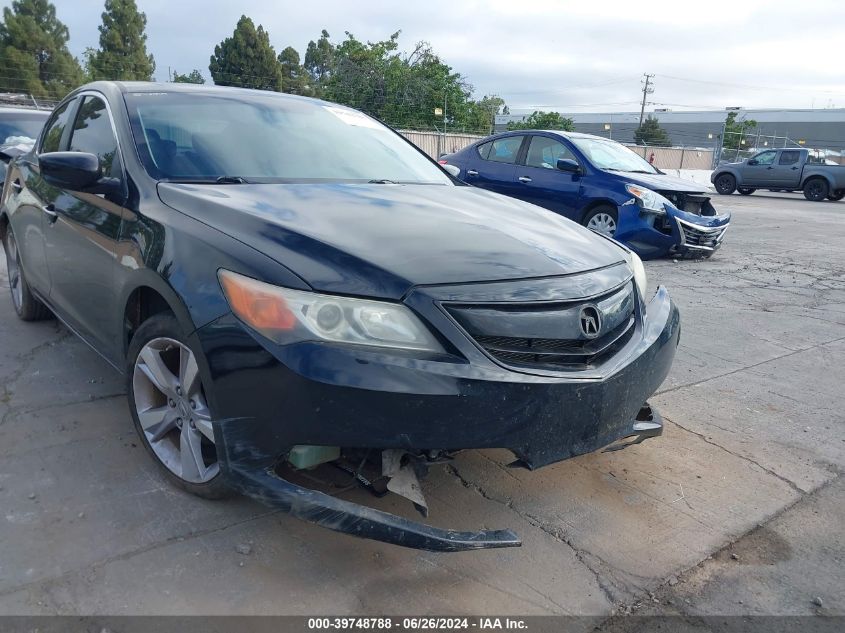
(244, 548)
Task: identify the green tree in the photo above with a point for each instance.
(193, 77)
(295, 79)
(650, 133)
(246, 59)
(539, 120)
(33, 51)
(482, 113)
(737, 131)
(319, 61)
(123, 45)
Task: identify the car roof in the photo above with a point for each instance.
(562, 133)
(184, 88)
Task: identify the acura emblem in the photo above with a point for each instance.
(590, 319)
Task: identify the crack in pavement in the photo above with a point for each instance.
(136, 552)
(792, 485)
(580, 554)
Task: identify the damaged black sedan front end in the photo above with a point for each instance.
(517, 372)
(302, 301)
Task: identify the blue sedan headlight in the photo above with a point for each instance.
(648, 200)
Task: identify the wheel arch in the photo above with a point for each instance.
(829, 179)
(598, 202)
(148, 295)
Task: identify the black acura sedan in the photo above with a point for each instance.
(291, 288)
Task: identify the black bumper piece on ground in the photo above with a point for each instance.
(358, 520)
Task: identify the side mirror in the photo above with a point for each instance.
(76, 171)
(752, 161)
(569, 165)
(453, 170)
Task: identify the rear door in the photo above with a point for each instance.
(82, 236)
(758, 170)
(495, 165)
(786, 170)
(539, 181)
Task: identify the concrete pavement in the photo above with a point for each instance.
(88, 525)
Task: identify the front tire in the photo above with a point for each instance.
(816, 189)
(603, 219)
(836, 195)
(746, 191)
(725, 184)
(27, 307)
(169, 408)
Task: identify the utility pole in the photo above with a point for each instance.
(648, 88)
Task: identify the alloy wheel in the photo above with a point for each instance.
(602, 223)
(173, 411)
(13, 265)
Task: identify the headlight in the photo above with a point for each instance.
(640, 278)
(286, 316)
(649, 200)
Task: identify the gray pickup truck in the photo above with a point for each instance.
(782, 169)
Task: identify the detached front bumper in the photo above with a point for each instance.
(269, 398)
(676, 233)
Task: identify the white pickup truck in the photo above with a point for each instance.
(785, 169)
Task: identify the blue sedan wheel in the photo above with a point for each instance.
(602, 220)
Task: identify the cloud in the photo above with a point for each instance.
(576, 56)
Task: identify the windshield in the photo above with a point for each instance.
(244, 137)
(18, 127)
(610, 155)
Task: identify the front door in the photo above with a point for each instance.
(82, 235)
(540, 182)
(759, 173)
(34, 196)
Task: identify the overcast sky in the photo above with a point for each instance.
(571, 56)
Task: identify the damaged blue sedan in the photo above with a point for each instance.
(303, 302)
(600, 184)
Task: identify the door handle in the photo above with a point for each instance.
(769, 167)
(50, 211)
(524, 179)
(472, 172)
(794, 168)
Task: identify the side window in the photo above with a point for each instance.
(53, 131)
(766, 158)
(504, 150)
(92, 133)
(789, 158)
(484, 149)
(544, 152)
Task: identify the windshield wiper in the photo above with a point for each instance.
(382, 181)
(231, 180)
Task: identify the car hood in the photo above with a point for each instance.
(661, 182)
(380, 240)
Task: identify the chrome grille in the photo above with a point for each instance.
(701, 237)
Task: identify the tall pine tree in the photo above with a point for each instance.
(294, 78)
(246, 59)
(123, 45)
(34, 56)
